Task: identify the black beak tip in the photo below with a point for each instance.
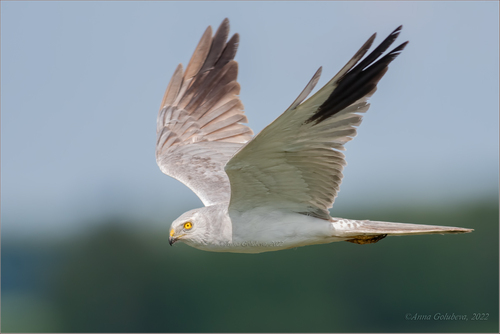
(171, 241)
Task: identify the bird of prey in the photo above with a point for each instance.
(271, 191)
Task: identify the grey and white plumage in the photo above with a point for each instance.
(271, 191)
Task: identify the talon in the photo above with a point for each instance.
(362, 239)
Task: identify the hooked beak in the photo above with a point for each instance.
(171, 240)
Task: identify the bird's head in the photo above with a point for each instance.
(190, 228)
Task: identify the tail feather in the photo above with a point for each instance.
(363, 228)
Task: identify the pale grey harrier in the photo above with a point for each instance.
(271, 191)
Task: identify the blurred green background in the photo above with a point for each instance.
(118, 279)
(85, 210)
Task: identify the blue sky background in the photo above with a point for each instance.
(81, 83)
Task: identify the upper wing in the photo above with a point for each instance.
(295, 163)
(198, 126)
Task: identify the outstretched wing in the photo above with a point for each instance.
(295, 163)
(199, 123)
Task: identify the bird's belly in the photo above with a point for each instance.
(263, 230)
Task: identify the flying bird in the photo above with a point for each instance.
(271, 191)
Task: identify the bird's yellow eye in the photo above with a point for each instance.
(188, 226)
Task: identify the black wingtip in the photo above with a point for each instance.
(395, 52)
(397, 30)
(361, 79)
(401, 47)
